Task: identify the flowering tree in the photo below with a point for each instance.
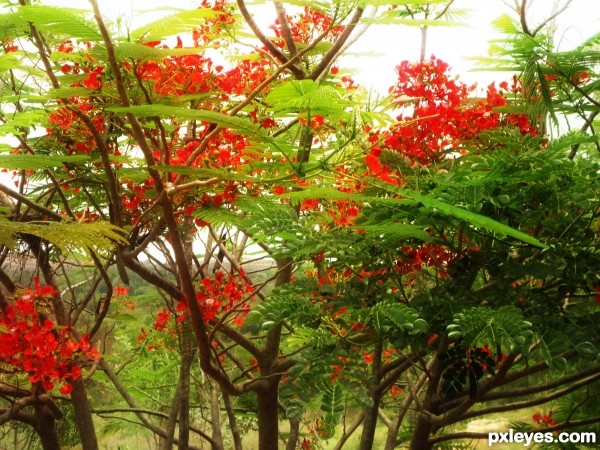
(316, 258)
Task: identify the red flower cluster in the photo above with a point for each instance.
(427, 255)
(162, 318)
(65, 126)
(224, 292)
(178, 75)
(221, 293)
(307, 26)
(33, 344)
(122, 300)
(438, 118)
(544, 420)
(215, 26)
(93, 80)
(345, 212)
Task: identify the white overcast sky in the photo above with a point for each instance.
(392, 44)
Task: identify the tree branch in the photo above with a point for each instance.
(285, 28)
(329, 57)
(298, 72)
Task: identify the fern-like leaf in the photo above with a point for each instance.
(62, 21)
(505, 327)
(184, 20)
(67, 236)
(39, 162)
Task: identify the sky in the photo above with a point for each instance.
(383, 47)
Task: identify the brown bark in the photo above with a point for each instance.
(46, 427)
(215, 417)
(292, 441)
(268, 415)
(83, 416)
(372, 413)
(369, 425)
(187, 349)
(233, 426)
(420, 438)
(167, 442)
(394, 426)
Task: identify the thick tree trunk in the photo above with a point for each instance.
(292, 441)
(369, 425)
(83, 416)
(394, 427)
(372, 413)
(268, 393)
(187, 349)
(233, 425)
(420, 438)
(268, 416)
(187, 357)
(167, 442)
(46, 428)
(215, 416)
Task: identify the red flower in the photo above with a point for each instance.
(92, 81)
(121, 290)
(309, 204)
(278, 190)
(66, 47)
(161, 319)
(35, 346)
(373, 163)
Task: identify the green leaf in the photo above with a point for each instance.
(62, 21)
(67, 236)
(390, 20)
(402, 230)
(481, 325)
(569, 139)
(219, 216)
(202, 173)
(300, 95)
(68, 92)
(18, 122)
(180, 22)
(9, 61)
(239, 124)
(317, 5)
(402, 317)
(476, 220)
(38, 162)
(133, 50)
(505, 24)
(332, 404)
(587, 349)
